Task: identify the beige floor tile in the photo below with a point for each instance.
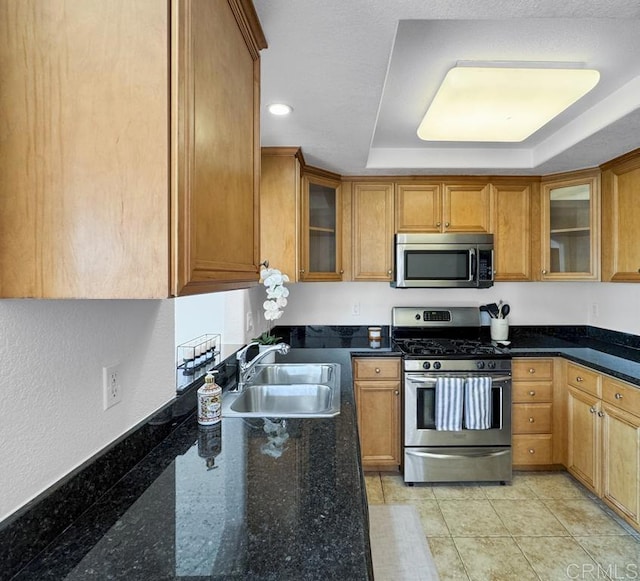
(431, 518)
(447, 559)
(374, 488)
(558, 558)
(554, 485)
(619, 557)
(583, 517)
(395, 490)
(494, 558)
(458, 492)
(518, 489)
(472, 518)
(530, 518)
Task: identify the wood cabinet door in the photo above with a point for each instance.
(621, 461)
(584, 438)
(570, 229)
(321, 227)
(372, 231)
(378, 411)
(466, 207)
(216, 157)
(621, 222)
(280, 208)
(512, 231)
(419, 207)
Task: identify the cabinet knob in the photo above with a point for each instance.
(302, 272)
(532, 370)
(579, 379)
(438, 224)
(377, 370)
(592, 410)
(600, 414)
(618, 396)
(532, 451)
(446, 224)
(342, 272)
(531, 420)
(389, 272)
(544, 272)
(532, 393)
(396, 392)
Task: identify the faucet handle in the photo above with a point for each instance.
(284, 348)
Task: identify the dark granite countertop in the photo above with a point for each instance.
(264, 512)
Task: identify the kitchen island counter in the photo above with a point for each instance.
(285, 500)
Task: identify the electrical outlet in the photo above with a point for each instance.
(355, 309)
(111, 385)
(249, 322)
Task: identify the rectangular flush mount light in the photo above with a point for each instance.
(505, 103)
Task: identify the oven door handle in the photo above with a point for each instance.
(475, 452)
(423, 379)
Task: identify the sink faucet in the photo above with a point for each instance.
(245, 368)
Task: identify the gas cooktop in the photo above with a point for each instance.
(447, 348)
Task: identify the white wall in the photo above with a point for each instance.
(531, 303)
(51, 359)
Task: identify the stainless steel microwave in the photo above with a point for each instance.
(443, 261)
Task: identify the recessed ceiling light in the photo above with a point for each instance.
(503, 103)
(279, 109)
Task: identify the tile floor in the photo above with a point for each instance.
(543, 526)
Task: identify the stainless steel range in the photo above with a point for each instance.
(457, 397)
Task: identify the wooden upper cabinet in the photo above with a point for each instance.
(419, 207)
(466, 207)
(443, 207)
(321, 226)
(280, 183)
(621, 219)
(217, 153)
(512, 229)
(372, 231)
(119, 181)
(570, 228)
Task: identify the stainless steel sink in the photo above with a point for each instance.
(287, 390)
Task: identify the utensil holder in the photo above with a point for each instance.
(499, 329)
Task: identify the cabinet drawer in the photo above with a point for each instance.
(532, 369)
(584, 379)
(532, 391)
(534, 418)
(622, 395)
(376, 368)
(532, 449)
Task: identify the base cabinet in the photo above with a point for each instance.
(604, 439)
(532, 412)
(378, 404)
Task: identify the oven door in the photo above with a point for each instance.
(419, 413)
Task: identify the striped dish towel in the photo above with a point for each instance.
(449, 393)
(477, 403)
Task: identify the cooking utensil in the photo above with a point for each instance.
(493, 310)
(504, 311)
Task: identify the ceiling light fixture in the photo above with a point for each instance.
(502, 102)
(279, 109)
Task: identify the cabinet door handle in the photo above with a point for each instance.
(532, 393)
(579, 379)
(531, 420)
(600, 414)
(592, 410)
(618, 396)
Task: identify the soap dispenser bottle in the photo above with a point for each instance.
(209, 401)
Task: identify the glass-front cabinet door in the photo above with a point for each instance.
(321, 248)
(570, 228)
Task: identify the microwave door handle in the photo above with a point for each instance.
(473, 264)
